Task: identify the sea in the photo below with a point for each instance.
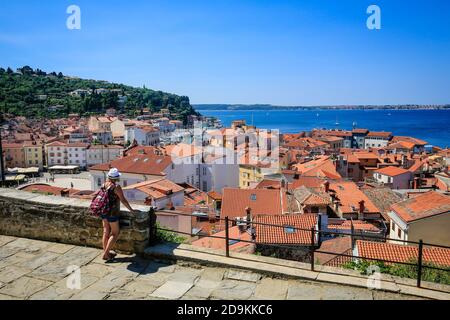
(432, 126)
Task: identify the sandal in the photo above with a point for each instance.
(112, 254)
(107, 258)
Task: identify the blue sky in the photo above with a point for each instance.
(313, 52)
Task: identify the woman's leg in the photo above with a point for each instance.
(106, 234)
(115, 230)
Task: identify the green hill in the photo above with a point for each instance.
(36, 94)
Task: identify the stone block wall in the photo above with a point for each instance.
(67, 220)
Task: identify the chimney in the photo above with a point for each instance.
(361, 208)
(248, 212)
(416, 183)
(326, 186)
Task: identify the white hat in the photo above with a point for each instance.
(114, 173)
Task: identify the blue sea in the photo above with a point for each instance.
(432, 126)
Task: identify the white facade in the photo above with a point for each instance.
(56, 154)
(143, 136)
(401, 181)
(376, 142)
(103, 137)
(76, 155)
(164, 125)
(176, 198)
(398, 230)
(98, 154)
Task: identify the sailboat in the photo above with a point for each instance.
(336, 123)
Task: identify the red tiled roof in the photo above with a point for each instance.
(391, 171)
(266, 201)
(215, 195)
(357, 225)
(308, 181)
(157, 189)
(422, 206)
(402, 253)
(349, 196)
(216, 243)
(360, 130)
(56, 144)
(321, 166)
(339, 245)
(138, 163)
(47, 189)
(273, 234)
(412, 140)
(382, 134)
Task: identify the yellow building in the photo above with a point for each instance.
(250, 174)
(34, 155)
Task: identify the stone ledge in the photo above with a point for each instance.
(67, 220)
(290, 269)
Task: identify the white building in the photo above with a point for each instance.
(102, 136)
(144, 135)
(377, 139)
(76, 154)
(98, 154)
(164, 125)
(180, 163)
(394, 177)
(56, 153)
(160, 193)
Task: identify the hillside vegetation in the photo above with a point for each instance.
(36, 94)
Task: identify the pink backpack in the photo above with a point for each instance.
(100, 205)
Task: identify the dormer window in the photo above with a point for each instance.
(289, 229)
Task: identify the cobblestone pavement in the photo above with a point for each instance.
(31, 269)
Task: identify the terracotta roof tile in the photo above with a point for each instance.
(402, 253)
(139, 164)
(284, 234)
(422, 206)
(260, 201)
(391, 171)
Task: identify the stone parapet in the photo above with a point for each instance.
(67, 220)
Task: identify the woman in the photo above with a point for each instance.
(111, 227)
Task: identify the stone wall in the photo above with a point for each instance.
(67, 220)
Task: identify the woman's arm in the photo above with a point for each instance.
(119, 193)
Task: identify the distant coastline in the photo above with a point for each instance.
(254, 107)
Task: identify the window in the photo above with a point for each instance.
(399, 232)
(252, 196)
(125, 183)
(314, 209)
(289, 229)
(99, 182)
(205, 185)
(393, 226)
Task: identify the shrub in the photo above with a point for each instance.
(168, 236)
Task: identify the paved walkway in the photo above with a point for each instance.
(31, 269)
